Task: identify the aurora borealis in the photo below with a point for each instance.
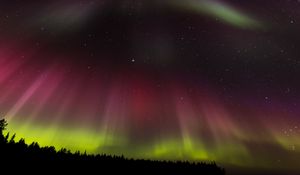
(197, 80)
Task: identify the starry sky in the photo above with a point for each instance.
(196, 80)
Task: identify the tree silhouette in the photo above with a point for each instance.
(3, 125)
(18, 153)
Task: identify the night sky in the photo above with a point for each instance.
(196, 80)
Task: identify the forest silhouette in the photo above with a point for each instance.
(18, 153)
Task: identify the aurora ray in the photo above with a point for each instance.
(220, 10)
(197, 90)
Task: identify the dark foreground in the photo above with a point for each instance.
(20, 157)
(48, 159)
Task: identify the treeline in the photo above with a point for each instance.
(19, 153)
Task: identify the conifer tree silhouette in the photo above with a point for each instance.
(18, 153)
